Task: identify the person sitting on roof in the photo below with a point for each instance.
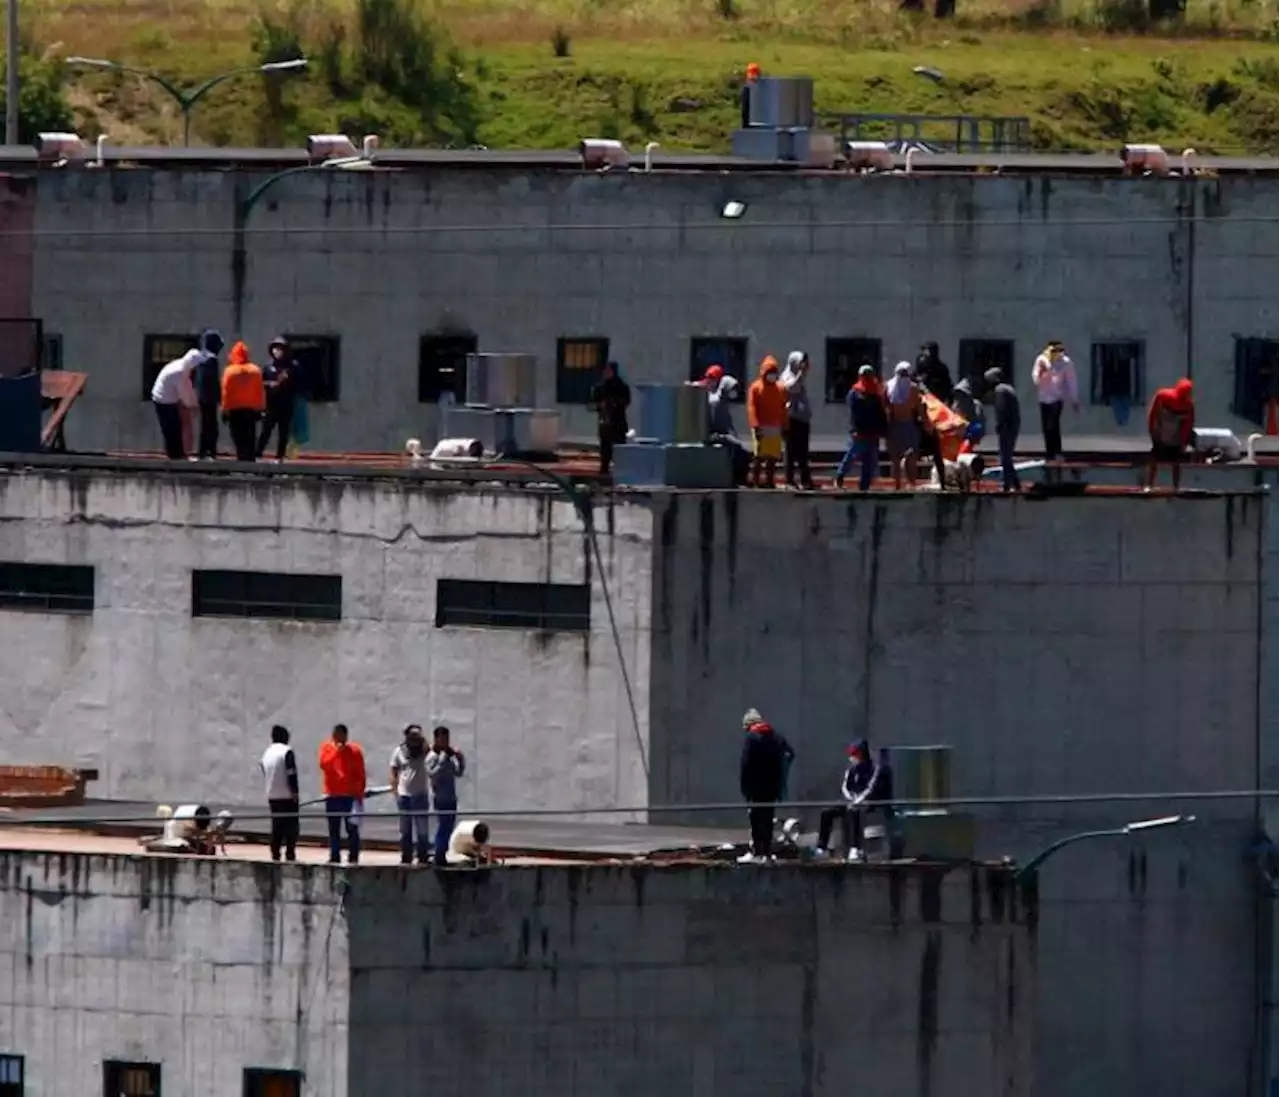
(867, 784)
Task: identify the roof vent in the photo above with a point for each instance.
(868, 156)
(599, 154)
(1145, 160)
(329, 146)
(60, 146)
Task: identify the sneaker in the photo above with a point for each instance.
(820, 854)
(854, 856)
(748, 859)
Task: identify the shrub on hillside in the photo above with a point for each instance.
(41, 105)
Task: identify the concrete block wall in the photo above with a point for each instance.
(523, 257)
(169, 706)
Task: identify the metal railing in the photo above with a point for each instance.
(960, 133)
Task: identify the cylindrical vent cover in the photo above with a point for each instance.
(921, 773)
(502, 380)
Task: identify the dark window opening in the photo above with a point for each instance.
(729, 352)
(265, 594)
(1255, 381)
(844, 358)
(50, 588)
(21, 345)
(259, 1082)
(11, 1076)
(1117, 371)
(580, 360)
(318, 364)
(979, 355)
(158, 351)
(122, 1079)
(51, 353)
(551, 607)
(442, 366)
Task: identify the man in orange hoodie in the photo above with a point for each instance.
(244, 399)
(342, 771)
(1171, 422)
(767, 417)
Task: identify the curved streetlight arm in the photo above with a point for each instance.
(200, 90)
(251, 199)
(168, 85)
(1031, 868)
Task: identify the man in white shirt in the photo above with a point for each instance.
(175, 389)
(280, 773)
(1054, 375)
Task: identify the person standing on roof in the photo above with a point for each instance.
(444, 766)
(1171, 422)
(762, 776)
(343, 774)
(1054, 375)
(866, 784)
(412, 785)
(868, 421)
(721, 430)
(174, 390)
(744, 97)
(280, 772)
(208, 392)
(612, 398)
(1008, 415)
(799, 419)
(280, 379)
(244, 398)
(903, 436)
(932, 375)
(767, 418)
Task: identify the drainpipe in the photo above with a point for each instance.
(1190, 347)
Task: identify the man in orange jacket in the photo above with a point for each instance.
(767, 417)
(342, 770)
(244, 399)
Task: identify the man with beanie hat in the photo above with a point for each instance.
(866, 784)
(762, 778)
(209, 392)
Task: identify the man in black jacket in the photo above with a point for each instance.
(867, 784)
(280, 378)
(611, 397)
(209, 393)
(762, 778)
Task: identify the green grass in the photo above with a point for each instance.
(668, 70)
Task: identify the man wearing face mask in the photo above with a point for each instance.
(767, 417)
(412, 782)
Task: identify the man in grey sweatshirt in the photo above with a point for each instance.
(444, 766)
(412, 784)
(799, 419)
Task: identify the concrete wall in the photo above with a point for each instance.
(524, 257)
(165, 704)
(1090, 645)
(711, 982)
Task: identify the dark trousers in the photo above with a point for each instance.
(169, 417)
(284, 829)
(208, 429)
(798, 453)
(279, 418)
(1008, 441)
(609, 439)
(761, 818)
(338, 812)
(850, 820)
(243, 425)
(1051, 428)
(446, 820)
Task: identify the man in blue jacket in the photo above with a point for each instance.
(762, 777)
(867, 784)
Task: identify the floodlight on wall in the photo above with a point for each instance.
(330, 146)
(600, 154)
(732, 210)
(868, 156)
(1145, 159)
(60, 146)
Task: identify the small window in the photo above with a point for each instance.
(259, 1082)
(551, 607)
(318, 363)
(121, 1079)
(21, 343)
(1255, 379)
(844, 358)
(48, 588)
(979, 355)
(579, 363)
(442, 366)
(1117, 372)
(726, 351)
(266, 594)
(51, 353)
(11, 1076)
(158, 351)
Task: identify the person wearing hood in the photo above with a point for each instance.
(1003, 397)
(867, 784)
(280, 379)
(720, 426)
(412, 785)
(208, 392)
(173, 392)
(903, 436)
(612, 398)
(867, 423)
(799, 419)
(767, 418)
(244, 398)
(1054, 375)
(1171, 422)
(762, 776)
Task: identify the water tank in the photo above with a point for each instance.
(921, 773)
(502, 380)
(672, 414)
(782, 102)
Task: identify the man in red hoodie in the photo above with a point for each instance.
(1171, 422)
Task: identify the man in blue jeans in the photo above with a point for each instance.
(868, 421)
(413, 795)
(444, 766)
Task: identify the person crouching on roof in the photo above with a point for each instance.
(762, 776)
(767, 418)
(1171, 422)
(721, 429)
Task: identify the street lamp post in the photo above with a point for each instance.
(1030, 872)
(187, 98)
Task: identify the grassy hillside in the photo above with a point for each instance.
(543, 73)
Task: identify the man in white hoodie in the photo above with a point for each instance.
(1054, 375)
(799, 419)
(174, 389)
